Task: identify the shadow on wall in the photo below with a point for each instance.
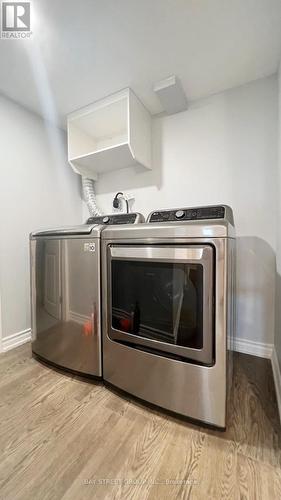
(256, 274)
(128, 179)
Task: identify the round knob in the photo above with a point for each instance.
(180, 214)
(105, 220)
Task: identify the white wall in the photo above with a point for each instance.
(278, 253)
(38, 190)
(222, 150)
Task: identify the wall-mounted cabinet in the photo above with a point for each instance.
(110, 134)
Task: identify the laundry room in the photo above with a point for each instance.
(140, 251)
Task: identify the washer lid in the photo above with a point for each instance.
(83, 229)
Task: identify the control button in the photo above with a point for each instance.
(166, 215)
(105, 220)
(180, 214)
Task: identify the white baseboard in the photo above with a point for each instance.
(254, 348)
(277, 378)
(78, 318)
(263, 351)
(16, 340)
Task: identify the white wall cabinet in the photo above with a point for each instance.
(110, 134)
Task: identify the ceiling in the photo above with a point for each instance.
(81, 51)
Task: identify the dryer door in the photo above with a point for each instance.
(162, 299)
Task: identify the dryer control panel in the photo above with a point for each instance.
(189, 214)
(113, 219)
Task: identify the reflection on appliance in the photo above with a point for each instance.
(66, 298)
(168, 310)
(65, 293)
(158, 301)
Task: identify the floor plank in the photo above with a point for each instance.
(62, 437)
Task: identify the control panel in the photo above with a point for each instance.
(184, 214)
(108, 220)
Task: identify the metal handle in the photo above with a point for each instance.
(153, 253)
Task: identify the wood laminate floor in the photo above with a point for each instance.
(65, 438)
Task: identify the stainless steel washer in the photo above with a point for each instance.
(65, 294)
(168, 310)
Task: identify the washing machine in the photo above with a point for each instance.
(168, 310)
(65, 293)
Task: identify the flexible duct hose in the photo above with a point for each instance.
(89, 196)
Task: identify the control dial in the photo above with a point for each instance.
(180, 214)
(105, 220)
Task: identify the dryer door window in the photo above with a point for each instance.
(162, 299)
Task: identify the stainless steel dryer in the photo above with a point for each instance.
(168, 310)
(65, 294)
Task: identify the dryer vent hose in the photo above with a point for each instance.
(89, 196)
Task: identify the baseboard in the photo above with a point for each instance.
(277, 378)
(263, 350)
(259, 349)
(16, 340)
(81, 319)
